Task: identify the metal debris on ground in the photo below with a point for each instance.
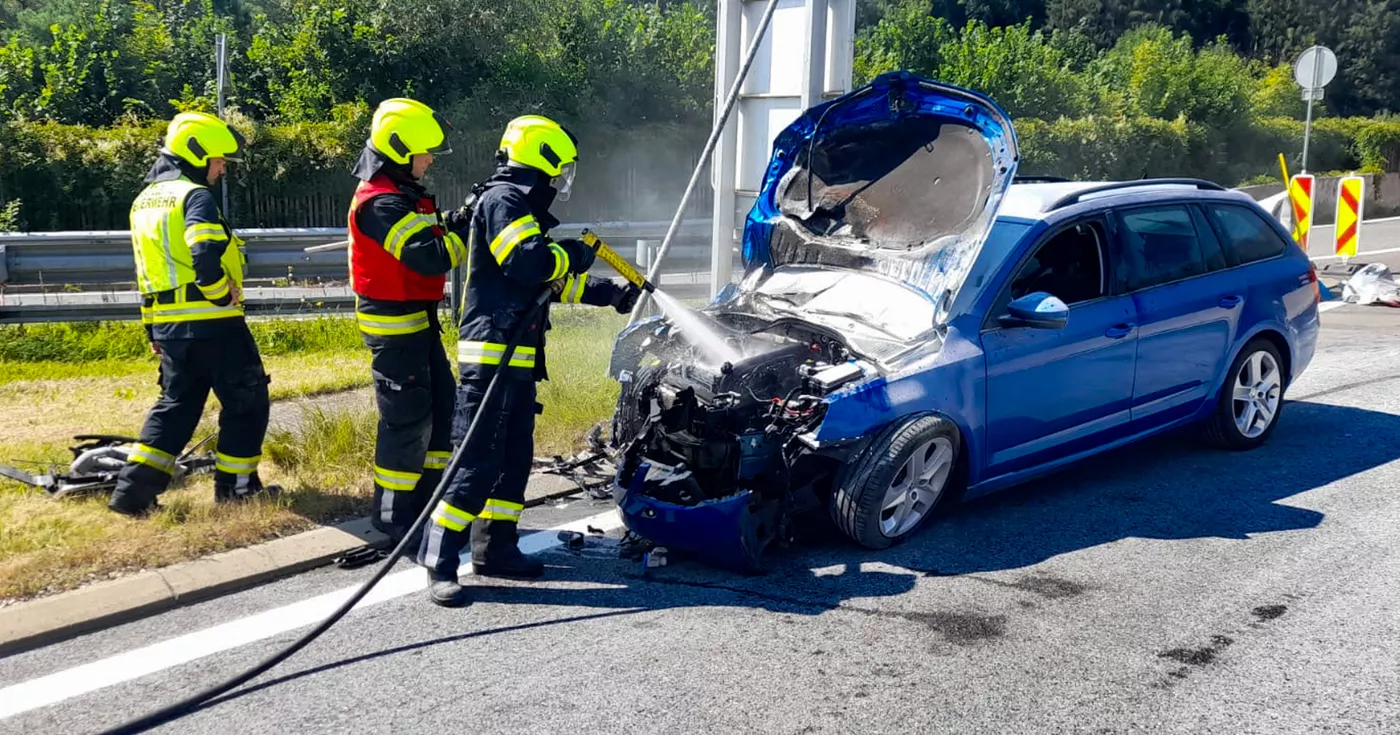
(363, 556)
(633, 547)
(572, 539)
(1372, 284)
(654, 558)
(592, 469)
(97, 460)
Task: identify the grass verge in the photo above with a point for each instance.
(49, 546)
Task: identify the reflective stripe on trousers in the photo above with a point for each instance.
(385, 325)
(490, 353)
(236, 465)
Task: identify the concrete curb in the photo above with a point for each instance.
(48, 620)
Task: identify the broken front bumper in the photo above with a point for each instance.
(730, 532)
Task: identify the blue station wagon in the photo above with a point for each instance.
(917, 326)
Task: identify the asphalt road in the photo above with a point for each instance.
(1167, 588)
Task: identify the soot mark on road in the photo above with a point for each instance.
(1197, 656)
(1270, 612)
(960, 628)
(957, 628)
(1052, 588)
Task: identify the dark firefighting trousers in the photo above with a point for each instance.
(414, 390)
(486, 495)
(189, 368)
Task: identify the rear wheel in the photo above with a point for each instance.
(898, 482)
(1251, 399)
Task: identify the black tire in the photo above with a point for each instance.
(858, 498)
(1221, 429)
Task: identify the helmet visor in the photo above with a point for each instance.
(241, 145)
(564, 183)
(445, 147)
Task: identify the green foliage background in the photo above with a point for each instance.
(1201, 89)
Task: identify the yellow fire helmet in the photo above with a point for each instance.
(197, 137)
(540, 143)
(403, 128)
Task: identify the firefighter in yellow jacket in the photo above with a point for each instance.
(189, 269)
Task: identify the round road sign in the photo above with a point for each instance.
(1315, 67)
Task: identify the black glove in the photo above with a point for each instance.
(581, 256)
(458, 220)
(624, 298)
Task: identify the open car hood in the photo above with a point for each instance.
(902, 178)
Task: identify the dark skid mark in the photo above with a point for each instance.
(1270, 612)
(957, 628)
(960, 628)
(1048, 587)
(1197, 656)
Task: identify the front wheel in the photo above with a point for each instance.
(1251, 399)
(886, 493)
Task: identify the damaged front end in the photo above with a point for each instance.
(715, 459)
(872, 211)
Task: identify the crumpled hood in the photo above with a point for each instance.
(902, 177)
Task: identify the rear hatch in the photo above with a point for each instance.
(900, 178)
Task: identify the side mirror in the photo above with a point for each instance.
(1037, 310)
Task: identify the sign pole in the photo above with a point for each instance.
(220, 79)
(1313, 70)
(1307, 132)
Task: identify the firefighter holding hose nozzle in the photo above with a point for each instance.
(510, 257)
(401, 249)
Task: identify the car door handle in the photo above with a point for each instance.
(1230, 302)
(1119, 331)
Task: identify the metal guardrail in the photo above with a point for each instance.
(104, 257)
(97, 263)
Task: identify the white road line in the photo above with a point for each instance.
(1358, 255)
(123, 667)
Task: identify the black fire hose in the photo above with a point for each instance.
(194, 703)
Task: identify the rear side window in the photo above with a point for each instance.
(1160, 245)
(1244, 234)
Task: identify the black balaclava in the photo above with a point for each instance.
(538, 191)
(169, 166)
(372, 162)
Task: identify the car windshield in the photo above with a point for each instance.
(848, 301)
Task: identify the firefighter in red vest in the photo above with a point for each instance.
(401, 249)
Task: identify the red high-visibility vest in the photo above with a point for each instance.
(374, 272)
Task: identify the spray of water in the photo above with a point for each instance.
(696, 329)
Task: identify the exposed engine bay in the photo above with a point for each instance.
(723, 440)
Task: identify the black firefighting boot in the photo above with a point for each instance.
(446, 591)
(136, 491)
(231, 488)
(496, 551)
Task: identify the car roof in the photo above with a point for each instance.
(1034, 201)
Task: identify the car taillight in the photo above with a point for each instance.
(1317, 285)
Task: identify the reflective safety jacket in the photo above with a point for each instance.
(510, 256)
(401, 249)
(186, 256)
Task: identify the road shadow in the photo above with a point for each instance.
(1170, 488)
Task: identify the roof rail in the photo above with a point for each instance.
(1075, 198)
(1039, 180)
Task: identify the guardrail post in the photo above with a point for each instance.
(646, 249)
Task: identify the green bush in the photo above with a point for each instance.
(1092, 147)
